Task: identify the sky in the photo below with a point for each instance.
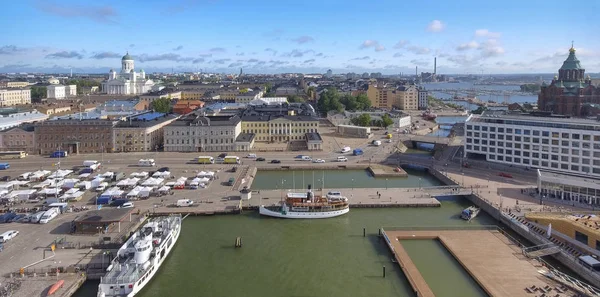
(273, 36)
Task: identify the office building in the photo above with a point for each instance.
(196, 132)
(18, 118)
(141, 133)
(537, 140)
(19, 138)
(388, 97)
(74, 136)
(11, 97)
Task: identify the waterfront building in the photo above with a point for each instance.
(537, 140)
(314, 142)
(388, 97)
(74, 136)
(279, 128)
(61, 91)
(570, 93)
(19, 138)
(196, 132)
(11, 97)
(583, 228)
(127, 82)
(423, 100)
(141, 133)
(568, 188)
(17, 118)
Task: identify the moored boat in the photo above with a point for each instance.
(59, 284)
(308, 206)
(140, 257)
(469, 213)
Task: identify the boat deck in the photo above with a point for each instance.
(493, 261)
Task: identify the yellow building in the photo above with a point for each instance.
(228, 94)
(14, 84)
(12, 97)
(279, 128)
(583, 228)
(383, 96)
(192, 94)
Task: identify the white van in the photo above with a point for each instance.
(35, 218)
(346, 149)
(8, 235)
(146, 163)
(251, 156)
(184, 202)
(49, 215)
(342, 159)
(101, 187)
(306, 158)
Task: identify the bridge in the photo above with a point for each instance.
(429, 139)
(442, 191)
(541, 250)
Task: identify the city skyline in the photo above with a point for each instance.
(272, 37)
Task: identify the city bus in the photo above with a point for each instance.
(13, 155)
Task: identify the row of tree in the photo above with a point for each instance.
(331, 99)
(83, 84)
(530, 88)
(364, 120)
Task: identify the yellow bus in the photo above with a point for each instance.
(13, 155)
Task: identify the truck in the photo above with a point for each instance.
(146, 163)
(49, 215)
(206, 160)
(4, 166)
(184, 203)
(103, 200)
(231, 160)
(59, 154)
(357, 152)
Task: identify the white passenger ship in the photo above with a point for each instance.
(140, 257)
(308, 206)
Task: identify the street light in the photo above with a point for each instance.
(386, 185)
(352, 184)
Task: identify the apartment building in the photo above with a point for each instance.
(279, 128)
(560, 144)
(196, 132)
(141, 133)
(11, 97)
(423, 99)
(388, 97)
(74, 136)
(192, 94)
(19, 138)
(60, 91)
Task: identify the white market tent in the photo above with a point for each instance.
(161, 174)
(142, 174)
(128, 182)
(61, 173)
(38, 175)
(153, 182)
(209, 174)
(22, 194)
(69, 183)
(50, 191)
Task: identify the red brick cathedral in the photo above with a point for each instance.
(570, 93)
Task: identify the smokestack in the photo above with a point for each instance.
(434, 65)
(417, 71)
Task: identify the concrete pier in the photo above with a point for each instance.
(494, 261)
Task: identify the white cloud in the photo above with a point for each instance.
(372, 43)
(379, 48)
(487, 33)
(491, 48)
(468, 46)
(436, 26)
(401, 44)
(418, 50)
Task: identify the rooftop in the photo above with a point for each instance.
(267, 118)
(197, 119)
(106, 215)
(571, 179)
(313, 136)
(146, 120)
(500, 115)
(245, 137)
(590, 222)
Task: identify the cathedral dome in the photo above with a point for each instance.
(571, 63)
(127, 57)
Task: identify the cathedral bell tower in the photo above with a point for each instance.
(571, 70)
(126, 63)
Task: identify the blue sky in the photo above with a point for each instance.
(270, 36)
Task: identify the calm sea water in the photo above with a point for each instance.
(463, 87)
(328, 258)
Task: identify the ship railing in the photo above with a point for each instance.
(120, 279)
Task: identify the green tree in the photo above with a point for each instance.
(38, 93)
(295, 99)
(162, 105)
(386, 121)
(268, 87)
(530, 88)
(479, 110)
(244, 91)
(363, 101)
(83, 84)
(363, 120)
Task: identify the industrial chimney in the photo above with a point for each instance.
(434, 65)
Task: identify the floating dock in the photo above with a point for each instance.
(491, 259)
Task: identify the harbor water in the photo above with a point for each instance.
(338, 179)
(297, 257)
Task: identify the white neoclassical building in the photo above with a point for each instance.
(127, 82)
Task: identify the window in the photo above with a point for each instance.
(564, 158)
(509, 130)
(500, 158)
(565, 135)
(575, 136)
(477, 128)
(518, 131)
(508, 159)
(527, 132)
(509, 137)
(517, 160)
(492, 157)
(545, 133)
(492, 129)
(575, 167)
(574, 159)
(536, 133)
(501, 130)
(484, 128)
(535, 162)
(535, 155)
(509, 152)
(501, 151)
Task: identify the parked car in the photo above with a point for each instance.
(163, 169)
(260, 159)
(251, 156)
(8, 235)
(223, 155)
(126, 205)
(298, 157)
(234, 169)
(5, 178)
(275, 161)
(502, 174)
(318, 161)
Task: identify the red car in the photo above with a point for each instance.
(505, 175)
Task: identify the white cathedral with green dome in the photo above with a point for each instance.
(127, 82)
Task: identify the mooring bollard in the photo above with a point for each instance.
(384, 271)
(364, 232)
(379, 231)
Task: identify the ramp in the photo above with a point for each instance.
(541, 250)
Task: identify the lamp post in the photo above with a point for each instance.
(463, 179)
(386, 184)
(352, 184)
